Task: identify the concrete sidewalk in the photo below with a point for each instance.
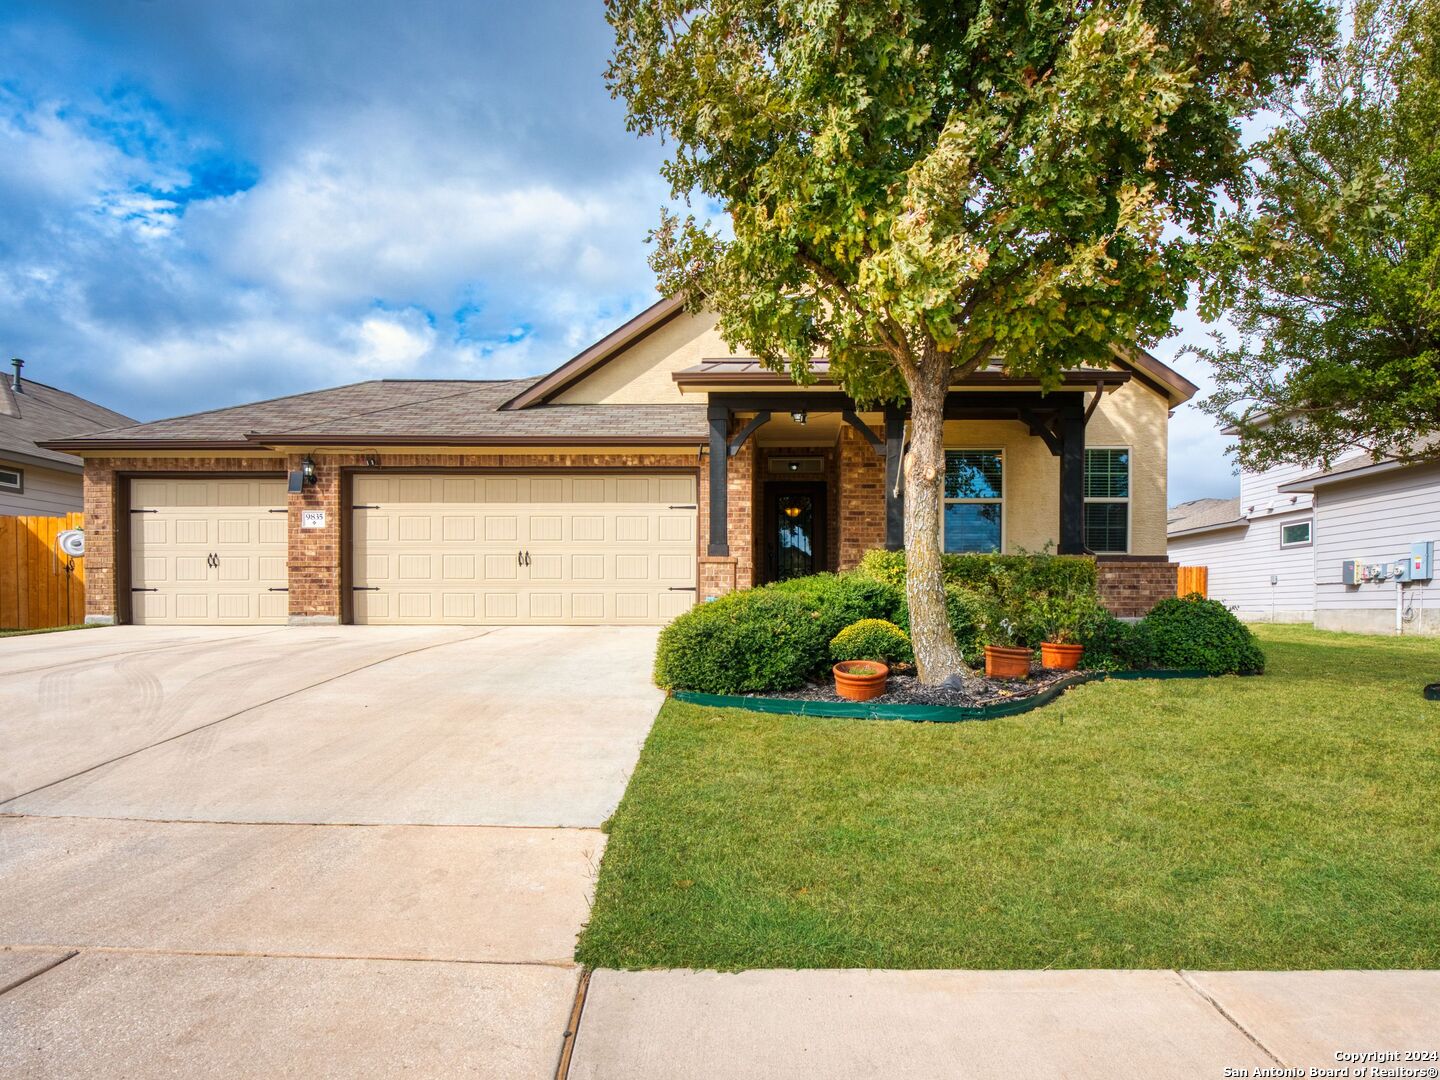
(996, 1025)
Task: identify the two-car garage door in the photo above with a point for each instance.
(523, 548)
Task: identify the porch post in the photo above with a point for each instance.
(1072, 476)
(719, 480)
(894, 495)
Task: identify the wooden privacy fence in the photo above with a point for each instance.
(1192, 579)
(40, 585)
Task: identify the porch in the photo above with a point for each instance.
(802, 480)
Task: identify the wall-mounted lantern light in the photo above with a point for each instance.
(302, 477)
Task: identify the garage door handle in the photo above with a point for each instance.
(527, 558)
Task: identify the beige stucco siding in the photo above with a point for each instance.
(48, 492)
(643, 374)
(1135, 416)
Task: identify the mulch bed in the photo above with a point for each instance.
(905, 689)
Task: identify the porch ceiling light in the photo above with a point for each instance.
(798, 415)
(792, 511)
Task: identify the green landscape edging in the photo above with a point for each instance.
(936, 714)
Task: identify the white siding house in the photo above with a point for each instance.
(1276, 553)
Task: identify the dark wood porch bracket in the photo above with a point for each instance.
(1057, 418)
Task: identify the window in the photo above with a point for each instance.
(1296, 534)
(1107, 500)
(11, 479)
(974, 486)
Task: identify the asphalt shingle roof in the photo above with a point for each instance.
(422, 409)
(1202, 514)
(40, 413)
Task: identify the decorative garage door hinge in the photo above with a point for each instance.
(138, 589)
(364, 506)
(280, 588)
(686, 506)
(144, 511)
(364, 588)
(682, 588)
(285, 510)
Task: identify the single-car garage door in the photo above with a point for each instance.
(523, 548)
(208, 551)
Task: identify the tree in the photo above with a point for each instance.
(915, 188)
(1330, 269)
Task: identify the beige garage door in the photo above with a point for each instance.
(208, 551)
(543, 548)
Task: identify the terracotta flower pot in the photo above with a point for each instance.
(860, 680)
(1060, 657)
(1004, 662)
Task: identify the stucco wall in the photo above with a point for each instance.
(643, 373)
(1136, 417)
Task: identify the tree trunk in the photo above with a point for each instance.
(936, 655)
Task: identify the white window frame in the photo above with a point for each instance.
(1128, 500)
(1002, 500)
(1309, 524)
(16, 488)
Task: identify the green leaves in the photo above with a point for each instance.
(900, 173)
(1330, 270)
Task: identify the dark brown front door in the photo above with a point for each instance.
(794, 530)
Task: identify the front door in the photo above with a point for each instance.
(795, 529)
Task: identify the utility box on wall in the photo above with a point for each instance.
(1349, 572)
(1422, 558)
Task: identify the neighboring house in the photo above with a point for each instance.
(36, 481)
(1279, 552)
(653, 467)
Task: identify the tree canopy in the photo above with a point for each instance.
(916, 188)
(1329, 269)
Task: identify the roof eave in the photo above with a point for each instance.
(322, 439)
(580, 365)
(1216, 527)
(71, 465)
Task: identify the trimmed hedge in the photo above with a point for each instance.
(759, 639)
(1190, 633)
(871, 639)
(1033, 574)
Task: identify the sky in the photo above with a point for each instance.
(206, 203)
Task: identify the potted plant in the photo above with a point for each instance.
(860, 680)
(1007, 656)
(1062, 619)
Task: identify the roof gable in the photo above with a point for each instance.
(40, 413)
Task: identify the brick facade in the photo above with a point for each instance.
(861, 495)
(315, 555)
(1131, 587)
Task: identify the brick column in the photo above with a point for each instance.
(314, 556)
(740, 477)
(100, 526)
(861, 493)
(1129, 588)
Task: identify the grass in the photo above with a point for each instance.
(1287, 821)
(4, 633)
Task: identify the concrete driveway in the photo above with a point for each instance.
(304, 851)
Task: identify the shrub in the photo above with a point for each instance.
(838, 600)
(1035, 574)
(871, 639)
(1192, 633)
(759, 639)
(1109, 644)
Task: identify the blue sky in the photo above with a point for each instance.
(204, 203)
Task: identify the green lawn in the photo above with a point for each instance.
(1287, 821)
(4, 633)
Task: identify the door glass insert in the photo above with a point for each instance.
(795, 542)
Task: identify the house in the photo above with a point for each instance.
(1329, 546)
(652, 468)
(36, 481)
